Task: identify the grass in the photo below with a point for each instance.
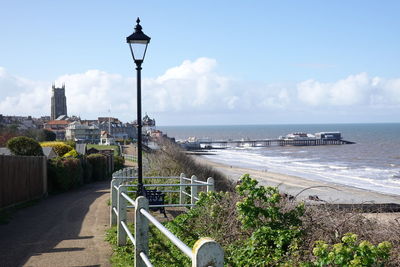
(103, 147)
(158, 246)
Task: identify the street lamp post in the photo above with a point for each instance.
(138, 42)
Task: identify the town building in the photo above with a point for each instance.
(116, 128)
(58, 102)
(106, 139)
(58, 127)
(82, 133)
(148, 124)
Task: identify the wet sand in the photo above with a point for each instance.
(293, 185)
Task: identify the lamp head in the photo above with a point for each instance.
(138, 42)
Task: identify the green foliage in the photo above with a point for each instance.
(70, 143)
(123, 256)
(262, 229)
(99, 166)
(49, 135)
(261, 207)
(118, 163)
(275, 232)
(71, 154)
(59, 147)
(162, 251)
(64, 173)
(24, 146)
(351, 253)
(87, 170)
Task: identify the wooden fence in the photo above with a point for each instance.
(22, 179)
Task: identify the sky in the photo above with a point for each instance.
(208, 62)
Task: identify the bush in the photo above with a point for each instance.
(171, 160)
(260, 230)
(87, 170)
(70, 143)
(99, 165)
(49, 135)
(118, 163)
(71, 154)
(24, 146)
(59, 147)
(6, 135)
(351, 253)
(64, 173)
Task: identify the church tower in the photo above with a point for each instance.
(58, 102)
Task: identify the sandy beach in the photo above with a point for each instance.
(329, 192)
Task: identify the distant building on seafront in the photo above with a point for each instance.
(58, 102)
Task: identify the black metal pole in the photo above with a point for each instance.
(139, 128)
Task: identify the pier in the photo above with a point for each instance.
(221, 144)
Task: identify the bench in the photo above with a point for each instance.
(155, 197)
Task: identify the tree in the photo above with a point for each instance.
(49, 135)
(24, 146)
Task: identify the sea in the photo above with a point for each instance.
(372, 163)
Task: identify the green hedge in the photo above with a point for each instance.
(87, 170)
(99, 165)
(64, 174)
(118, 163)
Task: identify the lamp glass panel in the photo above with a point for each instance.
(139, 50)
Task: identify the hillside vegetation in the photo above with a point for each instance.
(259, 226)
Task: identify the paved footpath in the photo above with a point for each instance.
(63, 230)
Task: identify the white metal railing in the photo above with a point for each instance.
(129, 174)
(206, 252)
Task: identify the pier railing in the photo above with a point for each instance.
(263, 143)
(205, 252)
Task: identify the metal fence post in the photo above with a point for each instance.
(210, 188)
(193, 190)
(141, 231)
(181, 189)
(114, 200)
(121, 234)
(207, 252)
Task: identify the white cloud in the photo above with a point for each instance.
(19, 96)
(359, 89)
(195, 88)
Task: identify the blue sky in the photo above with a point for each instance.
(209, 62)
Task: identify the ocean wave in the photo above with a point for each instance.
(365, 177)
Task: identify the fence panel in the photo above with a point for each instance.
(22, 179)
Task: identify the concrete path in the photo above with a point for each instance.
(63, 230)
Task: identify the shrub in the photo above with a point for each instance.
(64, 173)
(87, 170)
(260, 230)
(49, 135)
(118, 163)
(59, 147)
(70, 143)
(71, 154)
(275, 231)
(351, 253)
(171, 160)
(99, 165)
(6, 135)
(24, 146)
